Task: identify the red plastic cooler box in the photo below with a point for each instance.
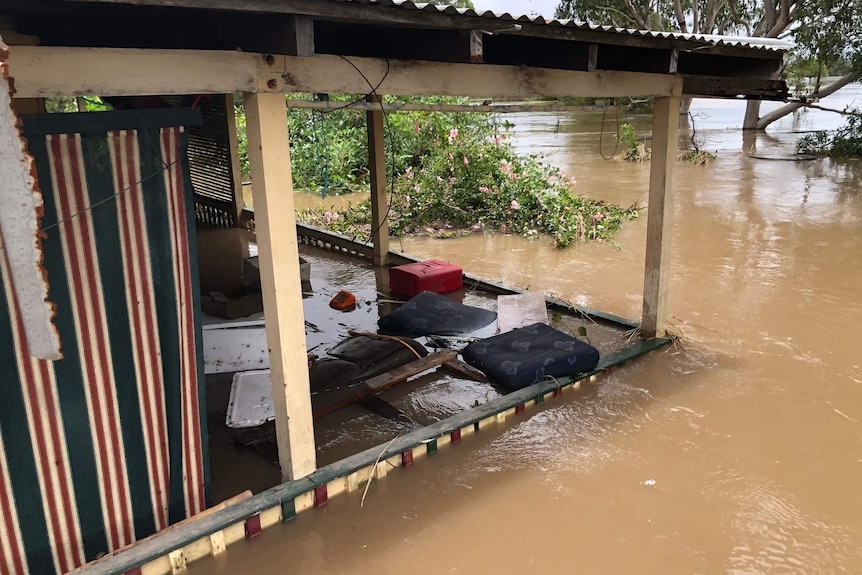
(431, 275)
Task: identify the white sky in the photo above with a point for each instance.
(519, 7)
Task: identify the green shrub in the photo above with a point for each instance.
(633, 150)
(845, 142)
(451, 173)
(469, 182)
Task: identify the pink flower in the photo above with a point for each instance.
(416, 127)
(508, 169)
(599, 217)
(515, 205)
(451, 180)
(416, 188)
(330, 217)
(409, 172)
(466, 161)
(485, 189)
(453, 135)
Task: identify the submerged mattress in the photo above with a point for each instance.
(525, 356)
(433, 314)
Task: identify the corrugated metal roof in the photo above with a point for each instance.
(769, 44)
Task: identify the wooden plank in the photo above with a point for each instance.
(519, 310)
(416, 107)
(722, 86)
(673, 66)
(178, 525)
(477, 55)
(235, 168)
(377, 176)
(275, 221)
(42, 71)
(332, 74)
(593, 58)
(659, 216)
(300, 36)
(329, 402)
(465, 370)
(382, 407)
(402, 373)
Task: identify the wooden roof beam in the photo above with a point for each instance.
(724, 87)
(41, 71)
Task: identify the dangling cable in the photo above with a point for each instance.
(602, 133)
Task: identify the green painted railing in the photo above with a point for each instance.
(286, 493)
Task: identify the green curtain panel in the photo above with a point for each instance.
(107, 445)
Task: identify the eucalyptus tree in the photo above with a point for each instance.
(827, 30)
(753, 18)
(830, 32)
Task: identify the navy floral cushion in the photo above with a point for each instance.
(525, 356)
(428, 313)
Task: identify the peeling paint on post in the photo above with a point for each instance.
(20, 230)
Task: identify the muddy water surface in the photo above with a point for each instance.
(738, 451)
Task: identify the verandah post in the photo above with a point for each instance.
(377, 175)
(660, 215)
(275, 222)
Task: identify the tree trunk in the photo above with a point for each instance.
(752, 114)
(786, 109)
(684, 105)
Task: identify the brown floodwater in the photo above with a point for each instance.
(737, 451)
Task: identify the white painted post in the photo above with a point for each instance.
(377, 175)
(275, 222)
(660, 215)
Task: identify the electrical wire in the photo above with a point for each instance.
(112, 197)
(392, 176)
(157, 154)
(167, 166)
(322, 162)
(602, 133)
(367, 81)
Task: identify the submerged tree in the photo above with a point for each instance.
(830, 33)
(827, 30)
(754, 18)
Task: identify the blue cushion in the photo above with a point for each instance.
(525, 356)
(428, 313)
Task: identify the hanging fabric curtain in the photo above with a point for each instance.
(107, 445)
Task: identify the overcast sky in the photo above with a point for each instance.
(519, 7)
